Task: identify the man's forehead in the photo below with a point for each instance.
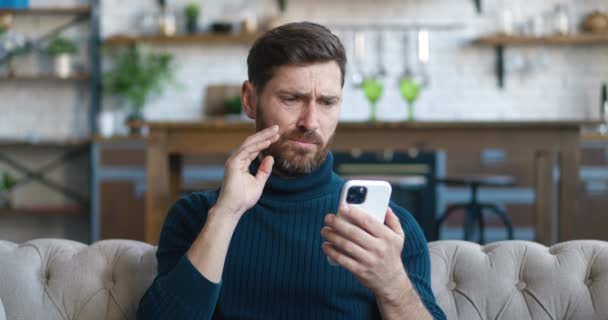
(324, 78)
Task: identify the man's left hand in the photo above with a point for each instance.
(370, 250)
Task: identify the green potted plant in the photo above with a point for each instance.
(232, 105)
(62, 49)
(136, 76)
(279, 19)
(192, 12)
(282, 6)
(7, 183)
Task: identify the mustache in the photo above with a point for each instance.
(307, 137)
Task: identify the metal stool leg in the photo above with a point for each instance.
(503, 216)
(481, 223)
(474, 213)
(469, 222)
(451, 209)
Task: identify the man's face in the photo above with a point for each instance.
(304, 101)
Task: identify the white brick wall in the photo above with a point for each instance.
(463, 86)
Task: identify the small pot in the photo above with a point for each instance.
(191, 25)
(135, 122)
(62, 65)
(6, 200)
(275, 21)
(596, 22)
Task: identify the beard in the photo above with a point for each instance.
(289, 159)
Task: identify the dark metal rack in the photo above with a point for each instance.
(74, 149)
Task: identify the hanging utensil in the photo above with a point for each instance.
(423, 55)
(359, 48)
(478, 6)
(380, 69)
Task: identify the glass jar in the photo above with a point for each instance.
(561, 20)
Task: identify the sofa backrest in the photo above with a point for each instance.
(521, 280)
(61, 279)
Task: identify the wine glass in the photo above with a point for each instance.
(372, 88)
(409, 88)
(414, 80)
(372, 82)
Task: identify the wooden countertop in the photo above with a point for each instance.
(221, 124)
(594, 137)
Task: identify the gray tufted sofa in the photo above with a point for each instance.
(61, 279)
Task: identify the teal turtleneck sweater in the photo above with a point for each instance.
(275, 268)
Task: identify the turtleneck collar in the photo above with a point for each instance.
(301, 188)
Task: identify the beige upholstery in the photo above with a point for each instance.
(2, 314)
(521, 280)
(60, 279)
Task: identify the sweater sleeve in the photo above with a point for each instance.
(417, 262)
(180, 291)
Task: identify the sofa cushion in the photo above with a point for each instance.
(521, 280)
(62, 279)
(2, 314)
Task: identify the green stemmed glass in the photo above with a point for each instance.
(410, 90)
(372, 88)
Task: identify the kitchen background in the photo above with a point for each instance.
(541, 83)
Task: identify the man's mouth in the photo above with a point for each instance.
(303, 143)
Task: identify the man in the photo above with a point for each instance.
(254, 249)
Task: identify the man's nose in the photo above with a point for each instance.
(309, 118)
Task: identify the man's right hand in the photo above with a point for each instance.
(240, 189)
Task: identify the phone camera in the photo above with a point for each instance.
(356, 194)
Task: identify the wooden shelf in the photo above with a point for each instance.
(42, 210)
(118, 138)
(575, 39)
(199, 38)
(48, 10)
(501, 41)
(44, 143)
(45, 77)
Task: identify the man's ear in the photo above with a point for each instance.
(248, 99)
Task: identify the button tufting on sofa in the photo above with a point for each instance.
(469, 281)
(452, 285)
(73, 277)
(521, 280)
(2, 314)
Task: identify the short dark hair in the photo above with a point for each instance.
(298, 43)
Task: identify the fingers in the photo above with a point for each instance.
(392, 221)
(252, 146)
(264, 170)
(344, 245)
(251, 152)
(363, 220)
(342, 259)
(349, 231)
(263, 135)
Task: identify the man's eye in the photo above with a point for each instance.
(290, 99)
(328, 103)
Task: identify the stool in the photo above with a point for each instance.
(474, 208)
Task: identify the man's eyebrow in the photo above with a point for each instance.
(293, 93)
(329, 97)
(299, 94)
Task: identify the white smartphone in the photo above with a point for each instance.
(372, 196)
